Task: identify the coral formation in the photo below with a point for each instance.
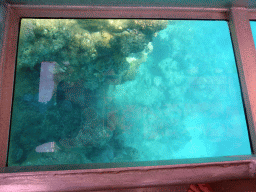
(90, 46)
(113, 98)
(85, 57)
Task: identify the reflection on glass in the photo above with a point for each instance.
(98, 91)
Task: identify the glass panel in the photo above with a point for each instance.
(253, 27)
(99, 91)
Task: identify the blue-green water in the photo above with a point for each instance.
(253, 28)
(189, 85)
(169, 93)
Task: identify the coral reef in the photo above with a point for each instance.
(108, 96)
(64, 100)
(85, 49)
(98, 136)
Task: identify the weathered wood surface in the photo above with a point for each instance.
(121, 178)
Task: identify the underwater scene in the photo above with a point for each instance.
(125, 90)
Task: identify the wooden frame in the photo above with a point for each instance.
(245, 58)
(87, 177)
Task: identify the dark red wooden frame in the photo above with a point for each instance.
(59, 178)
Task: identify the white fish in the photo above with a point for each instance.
(47, 147)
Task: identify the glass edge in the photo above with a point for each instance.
(124, 165)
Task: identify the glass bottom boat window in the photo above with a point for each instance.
(117, 90)
(253, 28)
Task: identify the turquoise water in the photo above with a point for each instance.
(134, 92)
(253, 28)
(191, 84)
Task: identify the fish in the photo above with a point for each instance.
(49, 147)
